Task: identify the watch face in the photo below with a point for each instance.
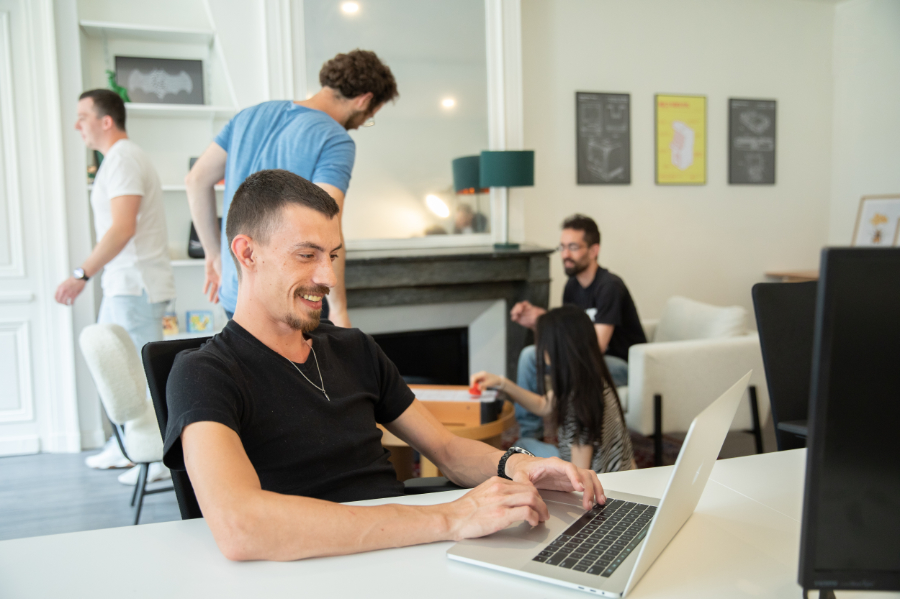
(79, 273)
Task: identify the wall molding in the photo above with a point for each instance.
(16, 297)
(16, 266)
(21, 445)
(25, 411)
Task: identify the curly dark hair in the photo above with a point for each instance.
(359, 72)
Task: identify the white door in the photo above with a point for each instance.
(36, 412)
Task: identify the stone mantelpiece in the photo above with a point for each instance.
(448, 275)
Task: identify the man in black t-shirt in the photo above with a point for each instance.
(275, 418)
(598, 292)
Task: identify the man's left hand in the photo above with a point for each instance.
(554, 474)
(68, 290)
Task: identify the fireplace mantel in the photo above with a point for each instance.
(411, 277)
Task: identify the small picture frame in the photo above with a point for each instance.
(170, 324)
(161, 80)
(199, 321)
(877, 221)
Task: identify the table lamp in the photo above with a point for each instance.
(507, 168)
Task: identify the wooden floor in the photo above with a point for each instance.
(48, 494)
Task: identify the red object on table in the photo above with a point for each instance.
(474, 390)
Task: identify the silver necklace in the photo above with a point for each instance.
(322, 388)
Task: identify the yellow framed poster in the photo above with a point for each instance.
(680, 140)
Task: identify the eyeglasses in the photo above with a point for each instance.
(572, 247)
(369, 123)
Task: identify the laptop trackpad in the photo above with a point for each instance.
(520, 542)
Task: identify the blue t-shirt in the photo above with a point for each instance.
(280, 134)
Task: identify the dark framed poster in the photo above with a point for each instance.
(603, 134)
(751, 142)
(161, 80)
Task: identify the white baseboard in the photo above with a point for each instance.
(92, 439)
(23, 445)
(64, 443)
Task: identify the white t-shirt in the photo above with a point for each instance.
(143, 264)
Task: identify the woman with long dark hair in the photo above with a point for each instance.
(592, 431)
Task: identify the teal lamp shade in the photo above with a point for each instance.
(465, 174)
(508, 168)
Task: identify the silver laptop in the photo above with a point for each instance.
(607, 549)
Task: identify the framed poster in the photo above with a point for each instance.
(680, 140)
(603, 138)
(751, 142)
(161, 80)
(877, 222)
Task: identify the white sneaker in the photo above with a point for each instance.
(157, 472)
(110, 457)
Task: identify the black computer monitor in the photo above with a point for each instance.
(850, 536)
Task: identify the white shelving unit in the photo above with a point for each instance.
(169, 133)
(173, 188)
(180, 111)
(129, 31)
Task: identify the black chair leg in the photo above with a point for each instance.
(140, 488)
(754, 412)
(134, 494)
(657, 430)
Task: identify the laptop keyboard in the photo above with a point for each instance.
(599, 541)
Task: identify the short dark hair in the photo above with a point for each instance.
(107, 103)
(258, 202)
(359, 72)
(585, 224)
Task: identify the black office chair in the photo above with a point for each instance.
(785, 317)
(158, 358)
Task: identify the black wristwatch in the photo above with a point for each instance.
(79, 273)
(501, 467)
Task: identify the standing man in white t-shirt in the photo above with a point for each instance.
(130, 224)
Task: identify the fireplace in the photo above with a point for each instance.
(414, 291)
(433, 357)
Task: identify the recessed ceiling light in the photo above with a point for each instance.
(437, 205)
(350, 7)
(448, 102)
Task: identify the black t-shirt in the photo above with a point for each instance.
(299, 442)
(611, 303)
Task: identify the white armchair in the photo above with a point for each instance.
(695, 352)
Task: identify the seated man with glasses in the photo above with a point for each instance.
(598, 292)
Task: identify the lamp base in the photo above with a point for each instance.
(506, 246)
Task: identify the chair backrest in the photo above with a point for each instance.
(684, 319)
(158, 359)
(116, 369)
(785, 317)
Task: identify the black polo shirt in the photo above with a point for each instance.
(607, 301)
(299, 442)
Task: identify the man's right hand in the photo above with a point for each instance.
(493, 505)
(526, 314)
(213, 278)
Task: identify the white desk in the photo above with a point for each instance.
(743, 541)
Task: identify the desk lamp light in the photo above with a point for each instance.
(508, 168)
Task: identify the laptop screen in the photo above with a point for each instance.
(851, 519)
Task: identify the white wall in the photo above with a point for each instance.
(711, 242)
(866, 142)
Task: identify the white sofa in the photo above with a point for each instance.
(695, 352)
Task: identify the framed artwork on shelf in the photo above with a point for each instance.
(603, 134)
(199, 321)
(161, 80)
(751, 142)
(680, 140)
(877, 221)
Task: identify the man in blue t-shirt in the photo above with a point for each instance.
(308, 138)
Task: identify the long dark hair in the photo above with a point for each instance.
(579, 377)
